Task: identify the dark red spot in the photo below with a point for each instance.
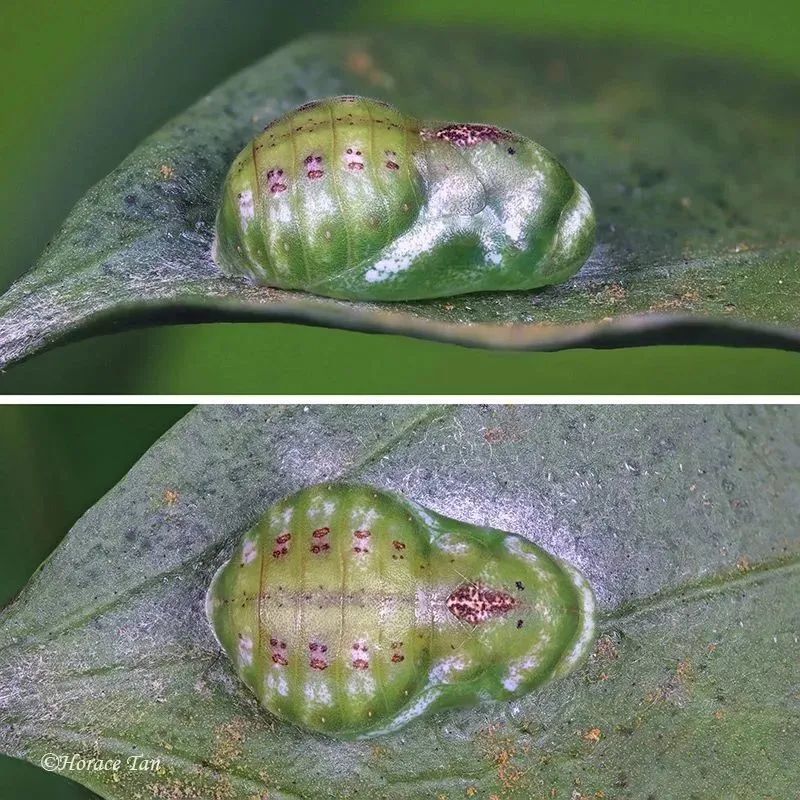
(273, 642)
(318, 663)
(392, 165)
(362, 534)
(280, 659)
(397, 658)
(349, 151)
(283, 538)
(355, 165)
(315, 173)
(319, 533)
(398, 545)
(360, 663)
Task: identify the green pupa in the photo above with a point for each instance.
(350, 611)
(349, 198)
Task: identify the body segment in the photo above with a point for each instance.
(349, 198)
(349, 611)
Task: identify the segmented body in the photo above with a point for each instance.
(350, 611)
(348, 197)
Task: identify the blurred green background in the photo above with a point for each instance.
(84, 82)
(55, 462)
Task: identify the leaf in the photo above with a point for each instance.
(692, 164)
(683, 519)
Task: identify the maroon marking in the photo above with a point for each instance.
(355, 162)
(398, 545)
(397, 656)
(321, 544)
(317, 660)
(474, 603)
(275, 180)
(278, 652)
(360, 659)
(360, 538)
(390, 162)
(314, 166)
(467, 134)
(282, 545)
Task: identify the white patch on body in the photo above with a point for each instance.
(447, 669)
(245, 650)
(247, 209)
(249, 552)
(276, 683)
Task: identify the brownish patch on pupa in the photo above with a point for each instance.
(468, 134)
(474, 603)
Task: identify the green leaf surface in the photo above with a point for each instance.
(693, 165)
(684, 520)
